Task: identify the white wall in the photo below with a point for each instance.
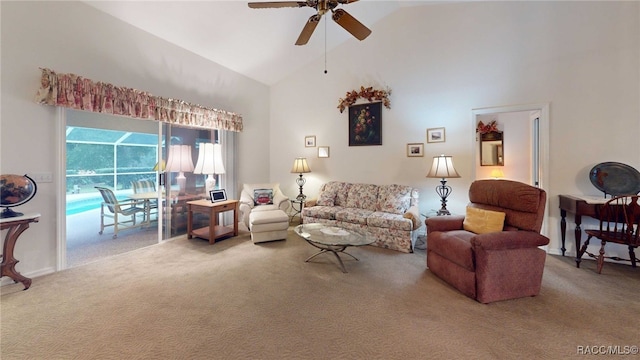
(76, 38)
(442, 61)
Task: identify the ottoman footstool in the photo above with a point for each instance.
(268, 225)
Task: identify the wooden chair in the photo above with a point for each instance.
(116, 210)
(620, 224)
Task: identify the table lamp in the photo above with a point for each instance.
(209, 163)
(300, 166)
(442, 167)
(180, 161)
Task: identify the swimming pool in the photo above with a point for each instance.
(78, 204)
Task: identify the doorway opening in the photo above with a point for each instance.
(525, 145)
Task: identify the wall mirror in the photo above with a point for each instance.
(491, 149)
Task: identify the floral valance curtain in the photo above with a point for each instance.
(76, 92)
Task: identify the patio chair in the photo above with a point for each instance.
(117, 210)
(147, 187)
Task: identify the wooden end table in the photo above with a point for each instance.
(16, 225)
(214, 230)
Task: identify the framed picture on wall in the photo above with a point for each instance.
(365, 124)
(415, 149)
(323, 151)
(310, 141)
(435, 135)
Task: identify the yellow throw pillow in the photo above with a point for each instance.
(481, 221)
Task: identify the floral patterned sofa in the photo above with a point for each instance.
(387, 212)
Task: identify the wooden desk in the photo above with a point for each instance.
(579, 206)
(213, 231)
(16, 225)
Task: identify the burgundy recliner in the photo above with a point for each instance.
(494, 266)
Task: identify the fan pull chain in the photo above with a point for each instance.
(325, 45)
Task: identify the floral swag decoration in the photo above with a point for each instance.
(485, 129)
(75, 92)
(366, 93)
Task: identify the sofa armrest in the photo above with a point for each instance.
(444, 223)
(506, 240)
(311, 202)
(281, 201)
(246, 199)
(413, 213)
(246, 204)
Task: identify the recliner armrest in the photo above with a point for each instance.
(444, 223)
(506, 240)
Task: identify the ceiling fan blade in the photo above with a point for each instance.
(346, 1)
(308, 29)
(349, 23)
(277, 4)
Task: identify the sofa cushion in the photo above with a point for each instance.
(327, 198)
(362, 196)
(388, 220)
(394, 199)
(321, 212)
(340, 189)
(482, 221)
(354, 216)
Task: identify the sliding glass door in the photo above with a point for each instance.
(127, 159)
(181, 181)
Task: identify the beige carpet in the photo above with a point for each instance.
(186, 299)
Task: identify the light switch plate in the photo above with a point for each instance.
(42, 177)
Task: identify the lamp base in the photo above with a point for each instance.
(182, 184)
(443, 191)
(301, 181)
(209, 184)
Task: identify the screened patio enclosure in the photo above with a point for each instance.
(110, 158)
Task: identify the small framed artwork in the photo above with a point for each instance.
(218, 195)
(323, 151)
(435, 135)
(310, 141)
(415, 149)
(365, 124)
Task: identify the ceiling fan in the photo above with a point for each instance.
(343, 18)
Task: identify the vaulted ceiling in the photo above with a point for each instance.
(258, 43)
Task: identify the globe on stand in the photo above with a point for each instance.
(15, 190)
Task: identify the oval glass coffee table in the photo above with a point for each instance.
(332, 239)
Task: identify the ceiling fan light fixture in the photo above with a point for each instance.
(340, 16)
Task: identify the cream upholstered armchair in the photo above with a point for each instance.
(263, 197)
